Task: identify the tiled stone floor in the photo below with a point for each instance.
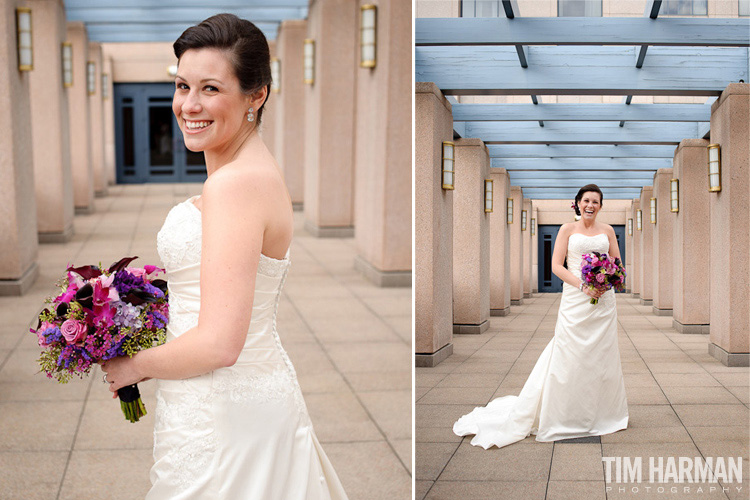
(682, 402)
(349, 341)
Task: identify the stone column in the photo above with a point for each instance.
(471, 239)
(645, 270)
(268, 121)
(79, 122)
(18, 245)
(634, 272)
(433, 229)
(663, 259)
(289, 140)
(97, 122)
(526, 235)
(534, 251)
(108, 112)
(691, 248)
(53, 178)
(729, 236)
(383, 154)
(516, 248)
(499, 244)
(329, 119)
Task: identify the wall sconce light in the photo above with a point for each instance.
(23, 31)
(67, 64)
(275, 75)
(367, 35)
(653, 210)
(533, 226)
(91, 77)
(172, 70)
(448, 167)
(714, 167)
(674, 195)
(639, 220)
(309, 58)
(510, 211)
(488, 183)
(523, 220)
(630, 227)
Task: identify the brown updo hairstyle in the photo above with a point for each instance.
(245, 45)
(585, 189)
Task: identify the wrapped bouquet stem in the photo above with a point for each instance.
(99, 315)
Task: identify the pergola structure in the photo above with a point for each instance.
(551, 149)
(165, 20)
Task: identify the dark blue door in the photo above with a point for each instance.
(548, 282)
(148, 141)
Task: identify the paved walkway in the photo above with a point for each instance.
(349, 341)
(682, 402)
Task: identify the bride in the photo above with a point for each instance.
(230, 419)
(576, 388)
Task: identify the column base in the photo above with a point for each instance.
(535, 290)
(647, 302)
(516, 302)
(472, 329)
(56, 237)
(297, 206)
(382, 278)
(662, 312)
(690, 328)
(434, 359)
(526, 295)
(88, 210)
(636, 295)
(500, 312)
(21, 285)
(729, 358)
(100, 194)
(329, 231)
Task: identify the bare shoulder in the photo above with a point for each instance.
(609, 230)
(237, 185)
(566, 229)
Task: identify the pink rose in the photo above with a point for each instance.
(39, 333)
(73, 330)
(136, 271)
(600, 278)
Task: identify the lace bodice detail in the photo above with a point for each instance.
(580, 244)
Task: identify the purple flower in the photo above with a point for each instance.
(124, 282)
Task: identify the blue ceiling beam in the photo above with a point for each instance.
(676, 31)
(581, 132)
(542, 166)
(579, 151)
(220, 4)
(582, 112)
(581, 70)
(158, 14)
(165, 32)
(542, 182)
(570, 193)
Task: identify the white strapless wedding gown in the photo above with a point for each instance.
(236, 433)
(576, 388)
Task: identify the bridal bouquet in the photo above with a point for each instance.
(99, 315)
(600, 272)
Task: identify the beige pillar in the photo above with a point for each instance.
(433, 229)
(329, 119)
(97, 122)
(471, 239)
(499, 244)
(634, 271)
(730, 234)
(383, 154)
(18, 245)
(663, 259)
(645, 270)
(289, 140)
(516, 248)
(691, 247)
(108, 114)
(534, 249)
(79, 122)
(53, 179)
(526, 235)
(268, 121)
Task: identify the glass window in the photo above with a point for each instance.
(684, 8)
(579, 8)
(745, 7)
(481, 8)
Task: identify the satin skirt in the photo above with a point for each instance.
(576, 389)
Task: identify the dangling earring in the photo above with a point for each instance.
(250, 116)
